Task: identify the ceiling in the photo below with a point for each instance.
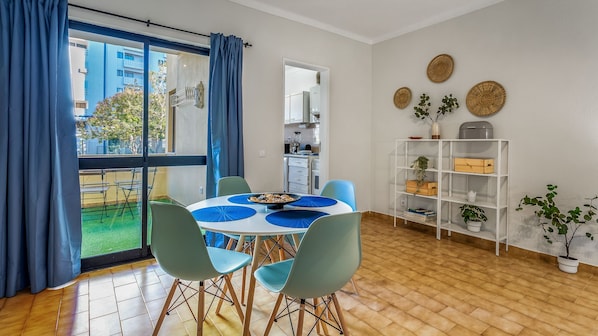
(368, 21)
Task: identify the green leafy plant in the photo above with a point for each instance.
(472, 213)
(555, 222)
(422, 109)
(118, 118)
(419, 168)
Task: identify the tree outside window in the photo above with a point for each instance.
(118, 119)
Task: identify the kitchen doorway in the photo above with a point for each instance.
(303, 79)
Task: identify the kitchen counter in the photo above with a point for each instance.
(300, 175)
(300, 155)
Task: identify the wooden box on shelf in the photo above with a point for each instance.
(472, 165)
(426, 189)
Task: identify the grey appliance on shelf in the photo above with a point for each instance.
(476, 130)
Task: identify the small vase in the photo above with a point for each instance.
(471, 196)
(435, 130)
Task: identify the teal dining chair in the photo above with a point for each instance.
(327, 258)
(342, 190)
(231, 185)
(179, 248)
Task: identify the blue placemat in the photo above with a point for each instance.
(314, 202)
(294, 218)
(240, 199)
(222, 213)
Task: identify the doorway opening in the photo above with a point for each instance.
(308, 127)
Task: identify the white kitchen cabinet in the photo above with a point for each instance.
(298, 108)
(299, 174)
(492, 188)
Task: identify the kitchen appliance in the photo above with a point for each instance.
(476, 130)
(315, 176)
(296, 143)
(285, 174)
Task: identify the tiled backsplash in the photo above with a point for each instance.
(309, 135)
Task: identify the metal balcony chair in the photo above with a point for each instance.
(179, 248)
(327, 258)
(132, 189)
(96, 190)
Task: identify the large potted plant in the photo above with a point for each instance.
(560, 225)
(473, 216)
(422, 111)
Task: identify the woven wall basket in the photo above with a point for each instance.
(486, 98)
(402, 97)
(440, 68)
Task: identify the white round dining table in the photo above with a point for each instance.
(235, 214)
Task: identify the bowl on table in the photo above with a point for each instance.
(273, 200)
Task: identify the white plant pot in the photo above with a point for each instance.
(474, 226)
(568, 265)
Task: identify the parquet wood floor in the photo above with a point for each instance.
(409, 283)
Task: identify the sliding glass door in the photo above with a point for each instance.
(141, 134)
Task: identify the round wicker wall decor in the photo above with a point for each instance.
(402, 97)
(440, 68)
(486, 98)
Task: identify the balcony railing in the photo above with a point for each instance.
(133, 64)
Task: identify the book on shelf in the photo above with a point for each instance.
(420, 214)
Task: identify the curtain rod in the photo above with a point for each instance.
(148, 22)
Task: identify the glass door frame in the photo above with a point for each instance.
(144, 161)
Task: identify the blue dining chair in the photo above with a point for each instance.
(342, 190)
(179, 248)
(327, 258)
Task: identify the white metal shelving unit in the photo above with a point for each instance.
(492, 189)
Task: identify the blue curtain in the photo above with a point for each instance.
(40, 216)
(225, 115)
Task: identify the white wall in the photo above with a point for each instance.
(545, 54)
(273, 40)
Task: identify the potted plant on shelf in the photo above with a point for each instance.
(422, 111)
(561, 225)
(473, 216)
(419, 168)
(420, 185)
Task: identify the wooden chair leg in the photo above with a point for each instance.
(339, 312)
(273, 315)
(219, 306)
(301, 316)
(229, 245)
(243, 285)
(267, 245)
(318, 312)
(354, 286)
(280, 242)
(200, 309)
(229, 284)
(173, 288)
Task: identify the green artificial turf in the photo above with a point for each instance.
(112, 231)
